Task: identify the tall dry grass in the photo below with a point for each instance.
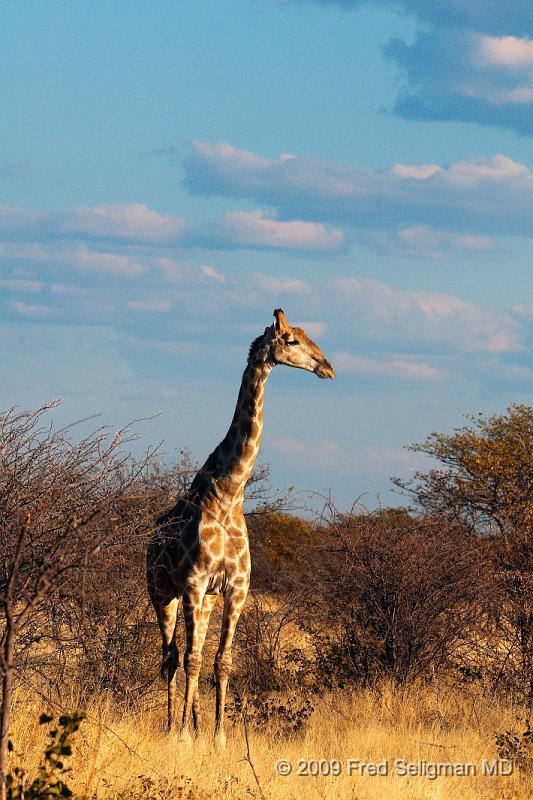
(421, 723)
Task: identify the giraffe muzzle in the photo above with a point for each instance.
(325, 370)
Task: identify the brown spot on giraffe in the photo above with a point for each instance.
(199, 548)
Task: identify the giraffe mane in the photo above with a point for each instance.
(255, 346)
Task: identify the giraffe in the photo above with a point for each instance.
(199, 549)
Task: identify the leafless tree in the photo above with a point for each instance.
(263, 639)
(56, 499)
(399, 594)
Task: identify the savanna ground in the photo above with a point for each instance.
(377, 637)
(126, 753)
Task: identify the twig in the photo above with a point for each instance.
(248, 756)
(440, 746)
(78, 422)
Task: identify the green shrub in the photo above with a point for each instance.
(50, 780)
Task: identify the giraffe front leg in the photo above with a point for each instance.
(233, 603)
(207, 607)
(193, 597)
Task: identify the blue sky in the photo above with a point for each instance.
(171, 173)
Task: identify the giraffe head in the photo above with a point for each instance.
(293, 347)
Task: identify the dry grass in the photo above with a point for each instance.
(423, 723)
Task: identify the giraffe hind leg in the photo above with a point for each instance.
(166, 617)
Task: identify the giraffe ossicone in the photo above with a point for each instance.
(199, 548)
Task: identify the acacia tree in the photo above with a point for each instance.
(485, 482)
(56, 500)
(486, 477)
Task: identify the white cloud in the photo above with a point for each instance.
(74, 256)
(223, 156)
(387, 366)
(509, 51)
(81, 363)
(427, 242)
(418, 172)
(84, 259)
(470, 60)
(25, 251)
(324, 454)
(328, 455)
(382, 312)
(460, 74)
(31, 310)
(20, 285)
(259, 229)
(312, 328)
(149, 305)
(468, 174)
(186, 349)
(273, 285)
(67, 290)
(14, 219)
(211, 272)
(173, 271)
(467, 241)
(366, 309)
(521, 94)
(132, 222)
(474, 198)
(524, 309)
(137, 225)
(516, 373)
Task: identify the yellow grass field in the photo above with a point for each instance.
(129, 756)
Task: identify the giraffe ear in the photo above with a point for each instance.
(282, 326)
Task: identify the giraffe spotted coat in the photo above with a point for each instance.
(199, 548)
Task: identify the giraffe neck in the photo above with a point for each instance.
(238, 450)
(223, 476)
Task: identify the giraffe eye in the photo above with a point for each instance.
(293, 342)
